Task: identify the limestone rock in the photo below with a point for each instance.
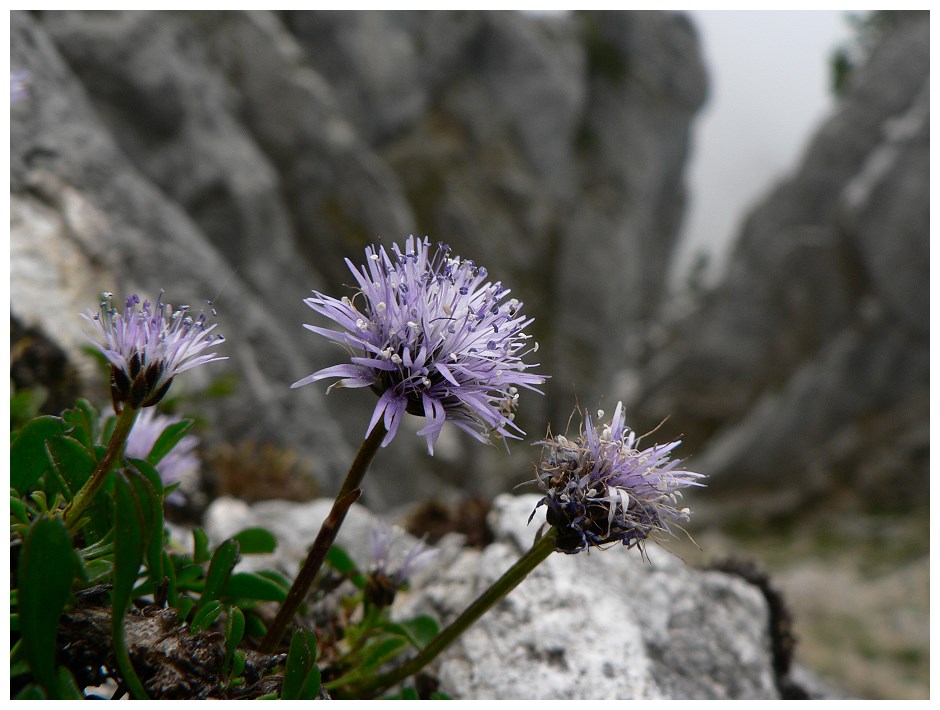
(241, 156)
(603, 625)
(86, 220)
(820, 327)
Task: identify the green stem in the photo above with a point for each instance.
(344, 499)
(539, 551)
(123, 658)
(84, 497)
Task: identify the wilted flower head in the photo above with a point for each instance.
(602, 489)
(179, 463)
(429, 335)
(386, 576)
(148, 346)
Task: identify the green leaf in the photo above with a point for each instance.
(170, 437)
(256, 541)
(245, 585)
(107, 429)
(169, 569)
(132, 520)
(150, 486)
(82, 421)
(184, 606)
(238, 664)
(95, 571)
(18, 669)
(408, 693)
(339, 559)
(190, 578)
(28, 457)
(276, 577)
(382, 650)
(18, 510)
(72, 462)
(200, 546)
(100, 515)
(206, 615)
(31, 692)
(220, 569)
(48, 565)
(301, 674)
(68, 688)
(25, 405)
(254, 626)
(420, 631)
(234, 631)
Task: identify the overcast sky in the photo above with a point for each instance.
(769, 88)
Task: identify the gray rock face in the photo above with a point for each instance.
(605, 625)
(819, 334)
(86, 220)
(240, 156)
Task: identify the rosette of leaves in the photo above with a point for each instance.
(118, 568)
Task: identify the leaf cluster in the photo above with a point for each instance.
(122, 546)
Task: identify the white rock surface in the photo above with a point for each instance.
(604, 625)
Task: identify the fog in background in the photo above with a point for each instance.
(769, 88)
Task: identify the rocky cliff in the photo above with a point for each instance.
(805, 374)
(240, 156)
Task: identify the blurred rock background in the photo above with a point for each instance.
(240, 156)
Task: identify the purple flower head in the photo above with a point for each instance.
(148, 346)
(390, 573)
(431, 337)
(602, 489)
(179, 463)
(19, 85)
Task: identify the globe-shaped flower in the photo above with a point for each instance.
(431, 337)
(602, 489)
(148, 346)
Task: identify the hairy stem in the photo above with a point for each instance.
(347, 495)
(87, 493)
(539, 551)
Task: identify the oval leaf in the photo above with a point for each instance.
(256, 541)
(220, 569)
(377, 653)
(200, 546)
(150, 489)
(82, 421)
(244, 585)
(339, 559)
(28, 457)
(299, 670)
(420, 631)
(132, 518)
(234, 630)
(47, 567)
(72, 461)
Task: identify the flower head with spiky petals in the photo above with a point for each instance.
(432, 338)
(602, 489)
(148, 346)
